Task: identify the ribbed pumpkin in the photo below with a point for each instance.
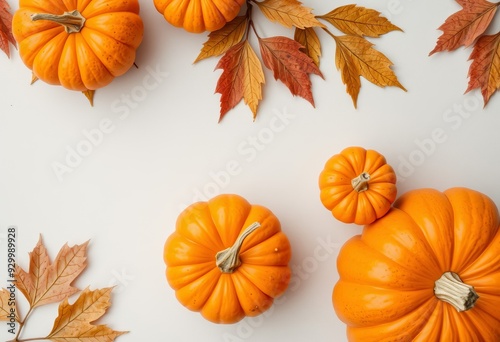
(429, 270)
(79, 44)
(357, 185)
(198, 16)
(227, 258)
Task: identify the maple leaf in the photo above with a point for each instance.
(463, 27)
(242, 78)
(288, 13)
(310, 42)
(355, 57)
(6, 306)
(48, 282)
(6, 36)
(361, 21)
(222, 40)
(291, 66)
(74, 320)
(484, 71)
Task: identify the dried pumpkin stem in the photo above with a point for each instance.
(360, 183)
(72, 21)
(450, 289)
(228, 260)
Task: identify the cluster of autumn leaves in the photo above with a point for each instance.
(292, 61)
(48, 282)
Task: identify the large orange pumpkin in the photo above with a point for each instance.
(227, 258)
(429, 270)
(79, 44)
(197, 16)
(357, 185)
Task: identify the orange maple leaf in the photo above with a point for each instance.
(310, 42)
(288, 13)
(6, 36)
(484, 71)
(355, 57)
(291, 66)
(463, 27)
(74, 320)
(48, 282)
(361, 21)
(222, 40)
(242, 78)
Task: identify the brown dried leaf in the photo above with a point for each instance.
(7, 304)
(73, 322)
(6, 36)
(222, 40)
(291, 66)
(288, 13)
(242, 78)
(47, 282)
(361, 21)
(484, 71)
(462, 28)
(310, 42)
(355, 56)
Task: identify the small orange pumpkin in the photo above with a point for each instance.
(79, 44)
(227, 258)
(429, 270)
(197, 16)
(357, 185)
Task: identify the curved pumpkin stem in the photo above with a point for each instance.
(450, 289)
(360, 183)
(228, 260)
(72, 21)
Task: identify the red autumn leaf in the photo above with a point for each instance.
(242, 78)
(283, 56)
(6, 36)
(484, 71)
(463, 27)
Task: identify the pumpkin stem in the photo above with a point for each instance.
(72, 21)
(228, 260)
(450, 289)
(360, 183)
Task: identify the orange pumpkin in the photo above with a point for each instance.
(429, 270)
(357, 185)
(227, 258)
(197, 16)
(79, 44)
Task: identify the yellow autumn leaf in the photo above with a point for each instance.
(222, 40)
(308, 38)
(47, 282)
(361, 21)
(74, 321)
(254, 78)
(289, 13)
(358, 55)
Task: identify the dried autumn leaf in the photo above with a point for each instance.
(288, 13)
(355, 56)
(222, 40)
(47, 282)
(6, 36)
(484, 71)
(463, 27)
(7, 303)
(361, 21)
(310, 42)
(291, 66)
(242, 78)
(73, 322)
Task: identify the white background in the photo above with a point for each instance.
(165, 149)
